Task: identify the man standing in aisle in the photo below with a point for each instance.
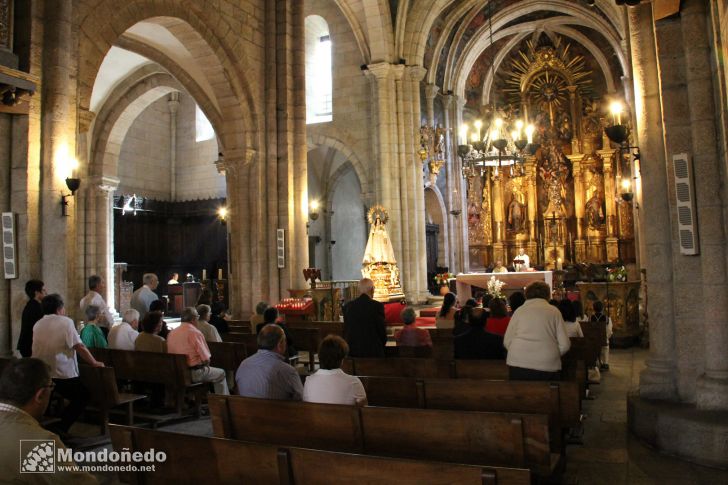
(364, 328)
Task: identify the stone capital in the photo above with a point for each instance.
(105, 183)
(85, 118)
(379, 71)
(416, 73)
(173, 102)
(431, 91)
(448, 100)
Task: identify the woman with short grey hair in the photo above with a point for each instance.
(91, 335)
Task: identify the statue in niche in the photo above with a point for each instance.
(594, 211)
(516, 210)
(591, 127)
(554, 173)
(565, 131)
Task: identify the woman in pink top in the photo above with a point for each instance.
(498, 318)
(411, 336)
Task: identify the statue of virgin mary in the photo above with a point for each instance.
(379, 263)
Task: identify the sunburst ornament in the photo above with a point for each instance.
(377, 212)
(545, 74)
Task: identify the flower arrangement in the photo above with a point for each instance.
(442, 278)
(617, 273)
(494, 287)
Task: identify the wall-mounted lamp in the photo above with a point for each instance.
(627, 194)
(313, 210)
(73, 184)
(222, 213)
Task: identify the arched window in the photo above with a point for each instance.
(319, 103)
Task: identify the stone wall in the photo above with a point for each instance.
(348, 229)
(144, 162)
(197, 177)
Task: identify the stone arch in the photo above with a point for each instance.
(115, 120)
(379, 29)
(356, 29)
(565, 31)
(99, 28)
(358, 166)
(435, 209)
(191, 86)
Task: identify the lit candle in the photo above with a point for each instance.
(559, 264)
(219, 273)
(204, 274)
(464, 135)
(478, 124)
(515, 135)
(474, 137)
(529, 133)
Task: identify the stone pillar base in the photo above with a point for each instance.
(680, 429)
(712, 393)
(658, 380)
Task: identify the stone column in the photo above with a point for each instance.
(612, 242)
(404, 205)
(462, 229)
(450, 181)
(58, 152)
(415, 74)
(103, 201)
(712, 390)
(658, 379)
(6, 318)
(173, 105)
(430, 94)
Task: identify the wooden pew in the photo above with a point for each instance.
(250, 341)
(397, 367)
(325, 327)
(560, 400)
(306, 340)
(101, 384)
(442, 343)
(480, 369)
(476, 438)
(267, 463)
(240, 326)
(407, 352)
(155, 368)
(227, 355)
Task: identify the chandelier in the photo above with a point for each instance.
(502, 144)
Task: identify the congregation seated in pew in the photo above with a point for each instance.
(330, 384)
(472, 341)
(123, 335)
(266, 374)
(91, 335)
(410, 335)
(209, 331)
(149, 339)
(217, 317)
(187, 340)
(161, 307)
(446, 315)
(271, 316)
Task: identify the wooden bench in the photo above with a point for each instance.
(397, 367)
(101, 385)
(232, 461)
(240, 326)
(560, 400)
(306, 340)
(227, 355)
(155, 368)
(409, 352)
(325, 327)
(475, 438)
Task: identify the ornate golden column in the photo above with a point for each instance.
(579, 244)
(612, 242)
(499, 248)
(532, 245)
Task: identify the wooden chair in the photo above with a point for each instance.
(101, 384)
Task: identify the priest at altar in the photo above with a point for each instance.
(521, 262)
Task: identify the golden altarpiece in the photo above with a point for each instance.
(562, 204)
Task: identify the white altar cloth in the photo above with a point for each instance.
(513, 281)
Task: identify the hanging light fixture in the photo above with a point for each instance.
(505, 143)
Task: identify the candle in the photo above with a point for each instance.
(464, 135)
(204, 274)
(559, 264)
(219, 273)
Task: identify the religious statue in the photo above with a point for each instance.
(515, 215)
(554, 173)
(379, 263)
(594, 211)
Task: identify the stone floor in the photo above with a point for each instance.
(608, 455)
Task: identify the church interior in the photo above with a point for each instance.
(281, 150)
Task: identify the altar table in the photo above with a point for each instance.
(513, 281)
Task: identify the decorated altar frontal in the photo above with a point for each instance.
(513, 281)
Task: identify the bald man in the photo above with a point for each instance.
(364, 328)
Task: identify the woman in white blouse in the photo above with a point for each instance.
(330, 384)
